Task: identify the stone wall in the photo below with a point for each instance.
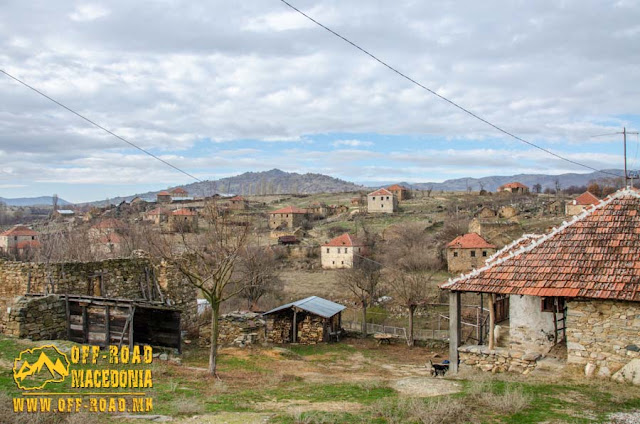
(116, 278)
(384, 204)
(498, 359)
(236, 329)
(603, 335)
(460, 260)
(38, 318)
(499, 233)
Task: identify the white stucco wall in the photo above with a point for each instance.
(330, 257)
(384, 204)
(529, 327)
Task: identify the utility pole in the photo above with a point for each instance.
(624, 140)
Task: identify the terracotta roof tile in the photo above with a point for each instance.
(586, 198)
(290, 209)
(344, 240)
(380, 192)
(163, 193)
(513, 185)
(470, 241)
(20, 230)
(397, 187)
(596, 255)
(183, 212)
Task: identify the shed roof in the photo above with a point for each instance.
(593, 256)
(313, 304)
(586, 198)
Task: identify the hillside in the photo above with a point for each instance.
(33, 201)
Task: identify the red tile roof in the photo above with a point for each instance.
(28, 244)
(509, 249)
(513, 185)
(163, 193)
(158, 211)
(290, 209)
(586, 198)
(183, 212)
(344, 240)
(381, 192)
(20, 230)
(179, 190)
(397, 187)
(596, 255)
(470, 241)
(110, 223)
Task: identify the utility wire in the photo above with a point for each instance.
(100, 126)
(451, 102)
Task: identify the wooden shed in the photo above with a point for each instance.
(307, 321)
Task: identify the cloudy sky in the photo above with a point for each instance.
(223, 87)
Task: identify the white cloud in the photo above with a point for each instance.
(89, 12)
(352, 143)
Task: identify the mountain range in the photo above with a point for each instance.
(33, 201)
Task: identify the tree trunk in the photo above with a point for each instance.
(363, 329)
(412, 309)
(492, 320)
(213, 353)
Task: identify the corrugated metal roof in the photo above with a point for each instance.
(313, 304)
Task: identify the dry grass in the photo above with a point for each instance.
(187, 406)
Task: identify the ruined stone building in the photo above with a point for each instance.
(183, 220)
(288, 217)
(578, 285)
(238, 203)
(19, 239)
(467, 252)
(342, 252)
(382, 201)
(580, 203)
(401, 192)
(163, 197)
(157, 216)
(513, 188)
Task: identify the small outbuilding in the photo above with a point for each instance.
(307, 321)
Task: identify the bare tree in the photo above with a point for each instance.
(260, 277)
(208, 261)
(412, 289)
(429, 190)
(537, 188)
(363, 282)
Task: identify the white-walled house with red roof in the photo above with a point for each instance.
(580, 203)
(342, 252)
(382, 201)
(18, 239)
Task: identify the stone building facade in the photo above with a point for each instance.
(18, 239)
(183, 220)
(382, 201)
(342, 252)
(401, 192)
(468, 252)
(289, 217)
(499, 233)
(36, 318)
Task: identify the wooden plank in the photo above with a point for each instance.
(133, 311)
(85, 324)
(107, 324)
(68, 314)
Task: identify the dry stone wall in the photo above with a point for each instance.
(603, 336)
(36, 318)
(236, 329)
(498, 359)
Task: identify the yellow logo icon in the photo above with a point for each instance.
(36, 367)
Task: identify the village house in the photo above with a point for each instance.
(179, 192)
(578, 284)
(467, 252)
(513, 188)
(183, 220)
(238, 203)
(106, 236)
(401, 192)
(163, 197)
(318, 210)
(307, 321)
(580, 203)
(19, 239)
(157, 216)
(556, 207)
(342, 252)
(382, 200)
(288, 217)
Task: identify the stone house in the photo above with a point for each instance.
(467, 252)
(495, 232)
(184, 220)
(163, 197)
(179, 192)
(19, 240)
(401, 192)
(307, 321)
(578, 284)
(157, 216)
(238, 203)
(557, 207)
(484, 213)
(513, 188)
(319, 210)
(342, 252)
(289, 217)
(580, 203)
(382, 200)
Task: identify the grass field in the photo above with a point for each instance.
(355, 381)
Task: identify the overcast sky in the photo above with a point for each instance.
(224, 87)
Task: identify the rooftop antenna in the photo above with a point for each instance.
(624, 138)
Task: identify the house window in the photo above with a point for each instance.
(382, 206)
(346, 250)
(484, 253)
(338, 250)
(33, 237)
(15, 238)
(327, 250)
(333, 262)
(547, 304)
(473, 253)
(387, 197)
(455, 254)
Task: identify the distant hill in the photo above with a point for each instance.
(492, 183)
(33, 201)
(253, 183)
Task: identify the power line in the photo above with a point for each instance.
(100, 126)
(451, 102)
